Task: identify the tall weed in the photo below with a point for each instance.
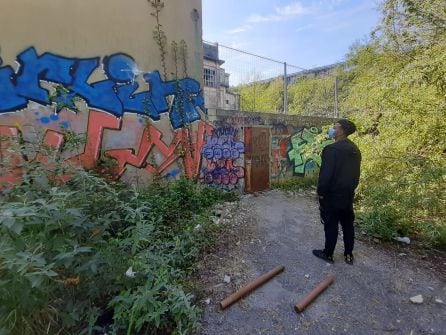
(75, 254)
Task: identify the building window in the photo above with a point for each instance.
(209, 77)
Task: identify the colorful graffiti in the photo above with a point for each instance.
(54, 90)
(222, 145)
(280, 164)
(305, 150)
(220, 152)
(8, 136)
(115, 94)
(150, 139)
(98, 122)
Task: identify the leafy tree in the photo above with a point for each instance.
(261, 96)
(396, 92)
(394, 87)
(307, 96)
(312, 96)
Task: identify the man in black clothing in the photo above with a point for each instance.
(338, 179)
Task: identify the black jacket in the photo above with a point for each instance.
(339, 174)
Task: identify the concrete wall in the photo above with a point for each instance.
(87, 80)
(291, 136)
(93, 69)
(95, 28)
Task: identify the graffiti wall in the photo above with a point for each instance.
(116, 86)
(296, 141)
(298, 154)
(223, 163)
(281, 166)
(104, 97)
(305, 151)
(53, 95)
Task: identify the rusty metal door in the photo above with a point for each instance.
(257, 159)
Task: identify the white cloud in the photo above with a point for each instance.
(330, 3)
(240, 29)
(255, 18)
(291, 10)
(281, 13)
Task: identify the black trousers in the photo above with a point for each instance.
(331, 216)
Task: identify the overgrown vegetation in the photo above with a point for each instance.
(78, 256)
(261, 97)
(307, 96)
(394, 88)
(396, 93)
(312, 96)
(298, 184)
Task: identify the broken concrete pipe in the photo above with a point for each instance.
(302, 304)
(250, 287)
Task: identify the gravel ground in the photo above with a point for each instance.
(279, 228)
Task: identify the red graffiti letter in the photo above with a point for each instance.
(97, 122)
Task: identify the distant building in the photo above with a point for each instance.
(217, 94)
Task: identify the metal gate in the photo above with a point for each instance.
(257, 159)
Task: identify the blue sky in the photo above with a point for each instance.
(306, 33)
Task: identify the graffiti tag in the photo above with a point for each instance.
(222, 172)
(305, 162)
(221, 145)
(221, 150)
(115, 94)
(98, 122)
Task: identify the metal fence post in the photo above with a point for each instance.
(285, 89)
(336, 96)
(217, 80)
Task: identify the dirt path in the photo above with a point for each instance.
(370, 297)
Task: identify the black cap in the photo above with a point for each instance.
(348, 126)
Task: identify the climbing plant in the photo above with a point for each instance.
(158, 34)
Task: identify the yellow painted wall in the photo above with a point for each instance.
(91, 28)
(95, 29)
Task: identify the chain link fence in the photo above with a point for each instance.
(239, 80)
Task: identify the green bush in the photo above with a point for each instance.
(395, 91)
(296, 184)
(65, 250)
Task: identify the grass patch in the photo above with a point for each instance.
(297, 183)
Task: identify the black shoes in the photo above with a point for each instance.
(322, 255)
(349, 259)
